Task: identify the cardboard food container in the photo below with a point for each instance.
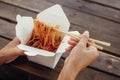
(54, 16)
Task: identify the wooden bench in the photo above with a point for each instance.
(100, 17)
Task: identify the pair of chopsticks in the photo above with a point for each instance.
(90, 40)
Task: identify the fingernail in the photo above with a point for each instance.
(86, 33)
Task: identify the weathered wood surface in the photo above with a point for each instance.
(83, 15)
(97, 26)
(111, 63)
(41, 72)
(46, 73)
(9, 12)
(3, 42)
(7, 29)
(8, 32)
(106, 62)
(10, 73)
(111, 3)
(91, 8)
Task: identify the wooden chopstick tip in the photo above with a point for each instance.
(109, 44)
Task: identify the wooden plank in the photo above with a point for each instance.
(35, 69)
(111, 3)
(107, 62)
(49, 74)
(91, 8)
(72, 27)
(31, 5)
(7, 29)
(13, 11)
(3, 42)
(43, 72)
(97, 26)
(10, 73)
(91, 74)
(115, 65)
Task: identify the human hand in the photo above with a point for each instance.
(81, 55)
(10, 52)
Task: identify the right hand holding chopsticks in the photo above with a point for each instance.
(81, 55)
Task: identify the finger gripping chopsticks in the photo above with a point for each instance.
(91, 41)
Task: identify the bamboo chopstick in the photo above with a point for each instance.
(92, 41)
(96, 41)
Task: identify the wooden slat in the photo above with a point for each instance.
(10, 12)
(91, 8)
(32, 5)
(105, 59)
(43, 72)
(97, 26)
(35, 69)
(72, 27)
(107, 62)
(91, 74)
(40, 71)
(10, 73)
(110, 67)
(3, 42)
(111, 3)
(7, 29)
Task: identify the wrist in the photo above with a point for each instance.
(69, 71)
(66, 73)
(74, 69)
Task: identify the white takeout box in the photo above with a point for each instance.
(54, 16)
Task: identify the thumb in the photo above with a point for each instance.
(18, 51)
(84, 40)
(16, 40)
(86, 33)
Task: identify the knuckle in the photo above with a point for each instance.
(96, 53)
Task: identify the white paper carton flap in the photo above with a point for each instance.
(55, 16)
(24, 28)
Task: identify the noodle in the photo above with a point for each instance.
(45, 37)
